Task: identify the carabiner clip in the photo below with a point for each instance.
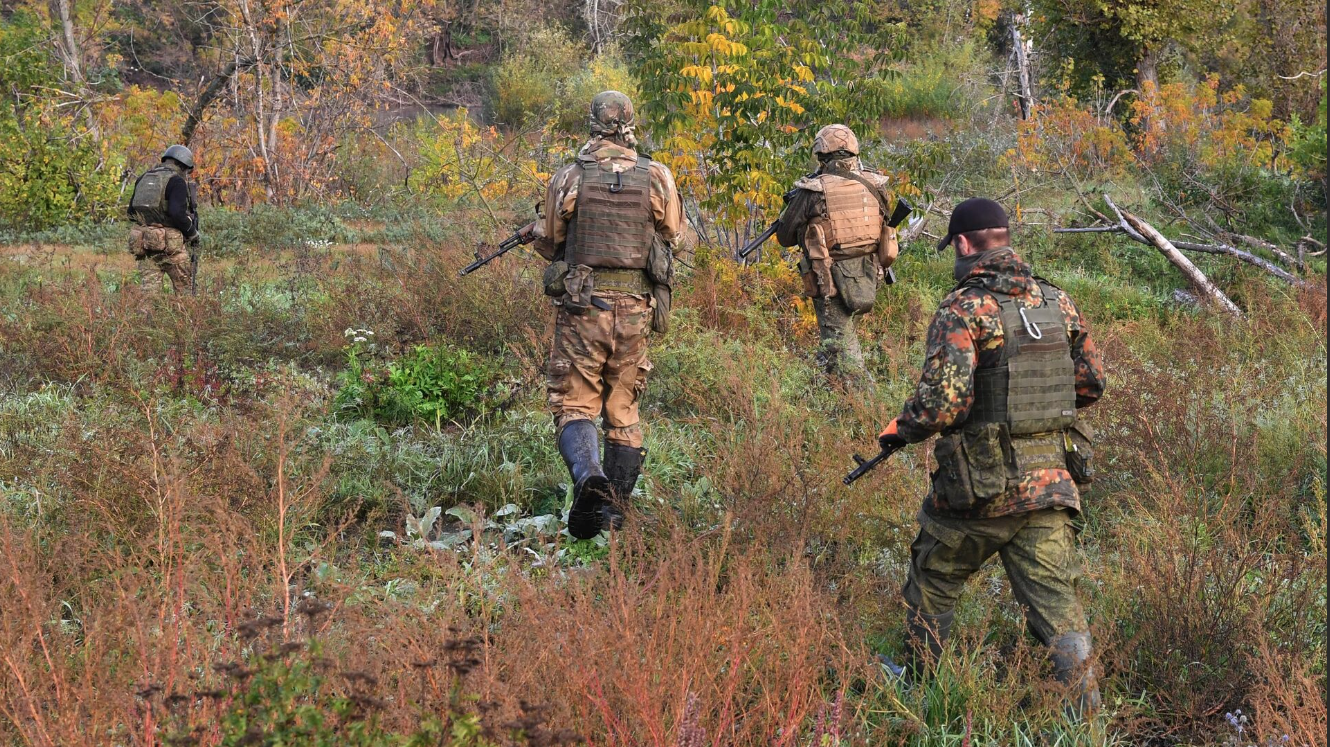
(617, 186)
(1031, 328)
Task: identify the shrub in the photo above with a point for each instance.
(432, 384)
(527, 83)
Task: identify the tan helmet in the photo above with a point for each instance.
(835, 138)
(611, 113)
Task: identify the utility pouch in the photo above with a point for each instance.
(136, 242)
(972, 466)
(660, 271)
(578, 285)
(173, 240)
(1080, 452)
(856, 282)
(553, 278)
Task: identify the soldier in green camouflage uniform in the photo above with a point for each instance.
(836, 217)
(1009, 360)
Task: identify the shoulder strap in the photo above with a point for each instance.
(872, 188)
(643, 162)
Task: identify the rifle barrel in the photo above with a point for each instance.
(761, 239)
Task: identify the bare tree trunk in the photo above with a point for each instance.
(1147, 69)
(72, 56)
(209, 95)
(1022, 66)
(1193, 273)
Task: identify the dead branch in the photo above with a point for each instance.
(209, 94)
(1218, 248)
(1255, 243)
(1191, 271)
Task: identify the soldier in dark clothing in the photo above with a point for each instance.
(1009, 361)
(166, 218)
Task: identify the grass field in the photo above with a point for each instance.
(221, 518)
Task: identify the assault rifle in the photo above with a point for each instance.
(761, 238)
(524, 235)
(867, 465)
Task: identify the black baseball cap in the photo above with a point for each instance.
(975, 214)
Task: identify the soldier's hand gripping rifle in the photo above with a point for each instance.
(867, 465)
(524, 235)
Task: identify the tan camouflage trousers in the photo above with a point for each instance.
(598, 366)
(172, 261)
(1038, 551)
(839, 353)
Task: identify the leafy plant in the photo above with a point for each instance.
(430, 384)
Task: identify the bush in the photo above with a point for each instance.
(527, 82)
(432, 384)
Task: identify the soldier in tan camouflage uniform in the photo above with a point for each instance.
(1009, 360)
(838, 216)
(166, 219)
(606, 215)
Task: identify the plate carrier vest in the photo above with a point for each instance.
(612, 224)
(147, 206)
(1033, 387)
(854, 215)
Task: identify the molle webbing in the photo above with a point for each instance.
(612, 224)
(1033, 388)
(854, 214)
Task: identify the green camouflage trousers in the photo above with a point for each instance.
(1038, 551)
(840, 353)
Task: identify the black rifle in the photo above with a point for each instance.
(761, 238)
(898, 216)
(867, 465)
(524, 235)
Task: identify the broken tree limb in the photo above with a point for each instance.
(1284, 257)
(1180, 261)
(1124, 227)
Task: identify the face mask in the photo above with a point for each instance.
(965, 264)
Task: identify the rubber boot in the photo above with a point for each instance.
(579, 445)
(926, 635)
(1071, 666)
(623, 465)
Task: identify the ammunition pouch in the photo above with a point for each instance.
(553, 279)
(856, 282)
(578, 285)
(138, 242)
(623, 281)
(145, 240)
(660, 272)
(1079, 442)
(974, 465)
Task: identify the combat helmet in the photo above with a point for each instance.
(611, 113)
(834, 139)
(180, 153)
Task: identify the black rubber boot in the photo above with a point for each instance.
(925, 637)
(1071, 666)
(623, 465)
(579, 445)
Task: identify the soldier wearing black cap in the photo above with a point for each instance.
(1009, 361)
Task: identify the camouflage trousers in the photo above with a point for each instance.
(598, 366)
(172, 261)
(1038, 551)
(839, 353)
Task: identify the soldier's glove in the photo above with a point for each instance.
(890, 439)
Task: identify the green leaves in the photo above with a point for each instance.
(430, 384)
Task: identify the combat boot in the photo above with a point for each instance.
(1071, 666)
(926, 635)
(623, 465)
(579, 445)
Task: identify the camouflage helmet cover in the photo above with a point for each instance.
(611, 113)
(180, 153)
(835, 138)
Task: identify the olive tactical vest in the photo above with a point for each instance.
(1033, 387)
(147, 205)
(854, 215)
(612, 224)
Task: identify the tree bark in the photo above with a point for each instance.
(209, 95)
(1147, 69)
(1022, 67)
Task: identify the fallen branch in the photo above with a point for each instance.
(1124, 227)
(1280, 254)
(1191, 271)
